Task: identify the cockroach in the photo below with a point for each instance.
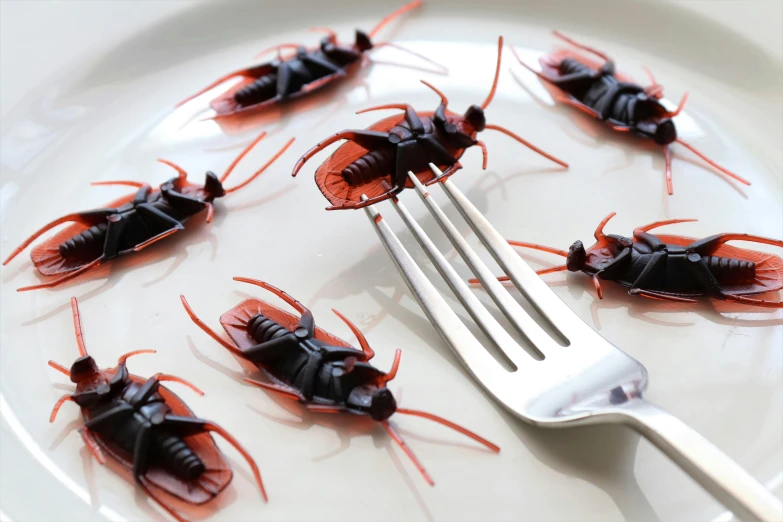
(301, 73)
(312, 366)
(131, 223)
(674, 268)
(148, 430)
(599, 90)
(398, 144)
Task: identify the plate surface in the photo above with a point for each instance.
(110, 116)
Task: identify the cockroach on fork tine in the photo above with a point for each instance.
(312, 366)
(301, 73)
(131, 223)
(674, 268)
(148, 430)
(375, 162)
(598, 90)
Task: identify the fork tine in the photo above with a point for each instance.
(533, 288)
(446, 322)
(468, 298)
(539, 339)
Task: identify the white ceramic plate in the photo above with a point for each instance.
(110, 117)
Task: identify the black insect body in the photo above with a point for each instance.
(676, 268)
(609, 96)
(300, 73)
(128, 224)
(148, 430)
(307, 364)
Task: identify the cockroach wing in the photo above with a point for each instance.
(46, 256)
(769, 267)
(333, 186)
(235, 323)
(216, 477)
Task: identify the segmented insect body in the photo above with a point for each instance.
(676, 268)
(599, 90)
(308, 364)
(375, 162)
(130, 223)
(148, 429)
(303, 72)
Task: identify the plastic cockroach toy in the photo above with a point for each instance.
(130, 223)
(300, 74)
(402, 143)
(148, 430)
(598, 90)
(675, 268)
(309, 365)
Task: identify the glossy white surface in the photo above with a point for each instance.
(109, 117)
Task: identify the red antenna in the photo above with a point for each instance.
(534, 246)
(77, 327)
(402, 10)
(599, 230)
(497, 75)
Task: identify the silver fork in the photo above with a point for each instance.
(589, 381)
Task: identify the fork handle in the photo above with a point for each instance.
(723, 478)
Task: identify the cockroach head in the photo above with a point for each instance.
(576, 257)
(476, 118)
(213, 188)
(363, 42)
(662, 132)
(83, 368)
(382, 404)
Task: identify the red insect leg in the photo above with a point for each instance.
(667, 156)
(394, 435)
(563, 37)
(679, 108)
(157, 238)
(77, 218)
(414, 53)
(443, 99)
(183, 175)
(212, 427)
(391, 374)
(58, 405)
(598, 289)
(536, 246)
(527, 144)
(136, 184)
(567, 100)
(128, 355)
(754, 302)
(448, 423)
(599, 230)
(359, 336)
(656, 224)
(399, 12)
(329, 32)
(92, 445)
(162, 377)
(345, 135)
(242, 155)
(277, 48)
(541, 272)
(60, 368)
(713, 164)
(296, 305)
(209, 331)
(526, 66)
(663, 297)
(282, 390)
(263, 168)
(483, 153)
(210, 87)
(77, 327)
